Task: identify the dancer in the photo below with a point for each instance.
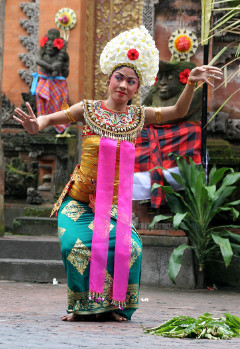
(100, 248)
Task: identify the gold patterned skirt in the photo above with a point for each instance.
(75, 229)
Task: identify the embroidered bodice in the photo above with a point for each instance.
(100, 122)
(123, 126)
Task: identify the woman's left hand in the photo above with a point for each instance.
(204, 73)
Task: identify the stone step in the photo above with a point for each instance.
(25, 247)
(155, 258)
(22, 209)
(31, 259)
(31, 270)
(38, 259)
(35, 226)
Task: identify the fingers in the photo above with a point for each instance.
(206, 72)
(209, 83)
(21, 114)
(213, 73)
(17, 119)
(30, 110)
(211, 70)
(214, 77)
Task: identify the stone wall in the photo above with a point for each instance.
(171, 15)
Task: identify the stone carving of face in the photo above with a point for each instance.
(50, 49)
(168, 84)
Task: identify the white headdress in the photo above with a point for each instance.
(134, 48)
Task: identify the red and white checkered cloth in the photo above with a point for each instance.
(157, 141)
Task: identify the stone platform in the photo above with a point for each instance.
(31, 252)
(38, 259)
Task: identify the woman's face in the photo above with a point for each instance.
(123, 84)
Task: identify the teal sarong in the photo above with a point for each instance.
(75, 229)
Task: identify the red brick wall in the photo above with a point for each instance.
(13, 85)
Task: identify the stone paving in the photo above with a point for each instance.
(30, 318)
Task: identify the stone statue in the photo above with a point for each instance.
(53, 59)
(168, 88)
(49, 83)
(156, 141)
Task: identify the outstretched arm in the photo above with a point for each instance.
(180, 109)
(33, 125)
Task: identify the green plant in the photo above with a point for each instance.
(194, 211)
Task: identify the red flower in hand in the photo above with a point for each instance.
(133, 54)
(183, 76)
(43, 41)
(59, 43)
(155, 80)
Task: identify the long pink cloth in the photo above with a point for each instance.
(124, 222)
(103, 204)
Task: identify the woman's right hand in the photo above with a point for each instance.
(29, 122)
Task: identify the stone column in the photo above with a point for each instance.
(148, 22)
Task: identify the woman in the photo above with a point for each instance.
(88, 223)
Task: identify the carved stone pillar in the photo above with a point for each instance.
(148, 15)
(30, 42)
(106, 19)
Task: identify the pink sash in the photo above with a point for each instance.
(100, 240)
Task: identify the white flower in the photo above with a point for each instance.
(115, 54)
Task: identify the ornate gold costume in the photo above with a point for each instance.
(100, 122)
(85, 175)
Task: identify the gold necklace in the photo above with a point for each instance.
(114, 111)
(126, 132)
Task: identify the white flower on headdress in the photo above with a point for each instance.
(134, 48)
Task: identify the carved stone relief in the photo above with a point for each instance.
(223, 38)
(89, 50)
(112, 17)
(224, 127)
(30, 42)
(7, 111)
(148, 14)
(148, 21)
(233, 129)
(218, 124)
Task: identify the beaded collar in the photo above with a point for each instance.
(111, 124)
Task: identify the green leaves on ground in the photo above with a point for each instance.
(224, 327)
